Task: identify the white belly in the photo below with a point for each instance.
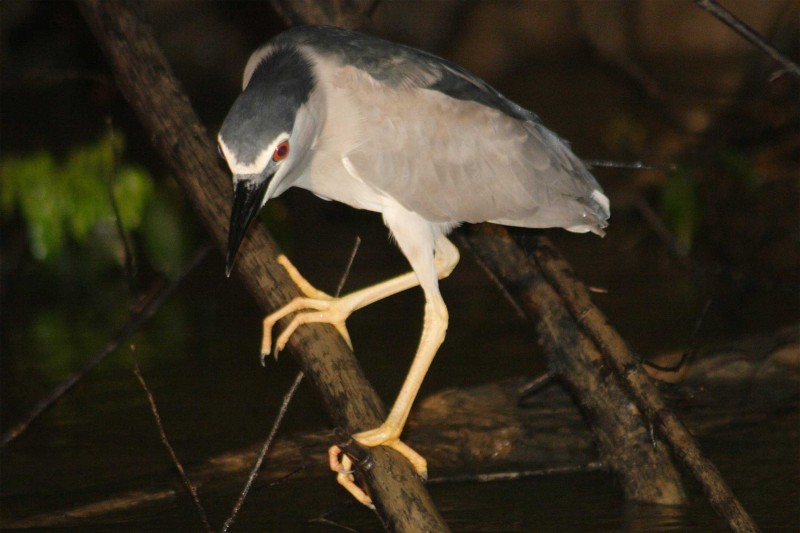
(330, 179)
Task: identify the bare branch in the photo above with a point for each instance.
(348, 267)
(751, 35)
(617, 355)
(130, 259)
(591, 466)
(264, 449)
(191, 489)
(631, 165)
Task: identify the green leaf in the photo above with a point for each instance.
(70, 199)
(133, 190)
(681, 208)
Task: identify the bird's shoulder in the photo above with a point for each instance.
(397, 65)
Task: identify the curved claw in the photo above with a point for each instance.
(344, 468)
(327, 309)
(334, 311)
(296, 304)
(344, 475)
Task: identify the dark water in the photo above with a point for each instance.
(101, 442)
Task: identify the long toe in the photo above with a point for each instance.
(388, 436)
(308, 310)
(419, 463)
(344, 475)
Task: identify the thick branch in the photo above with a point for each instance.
(646, 472)
(147, 82)
(640, 387)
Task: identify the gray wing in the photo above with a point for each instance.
(447, 145)
(460, 161)
(397, 65)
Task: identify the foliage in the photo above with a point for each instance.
(70, 199)
(709, 181)
(74, 293)
(681, 208)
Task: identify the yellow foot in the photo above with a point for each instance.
(344, 467)
(344, 475)
(386, 435)
(326, 309)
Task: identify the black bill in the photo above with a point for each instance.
(247, 199)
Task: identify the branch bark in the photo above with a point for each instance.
(646, 472)
(147, 82)
(583, 349)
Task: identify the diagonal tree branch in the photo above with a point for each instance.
(147, 82)
(582, 349)
(749, 34)
(646, 473)
(616, 354)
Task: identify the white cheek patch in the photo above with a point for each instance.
(260, 163)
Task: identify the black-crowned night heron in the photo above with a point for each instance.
(392, 129)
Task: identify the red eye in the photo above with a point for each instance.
(281, 151)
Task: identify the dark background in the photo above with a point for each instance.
(658, 81)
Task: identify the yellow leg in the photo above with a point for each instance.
(329, 310)
(388, 433)
(336, 310)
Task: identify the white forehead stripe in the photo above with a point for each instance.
(263, 53)
(260, 163)
(255, 58)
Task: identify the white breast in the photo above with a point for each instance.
(330, 175)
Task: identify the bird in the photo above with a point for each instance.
(392, 129)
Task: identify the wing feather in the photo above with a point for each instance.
(448, 146)
(460, 161)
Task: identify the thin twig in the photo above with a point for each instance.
(282, 412)
(287, 398)
(533, 387)
(632, 165)
(130, 258)
(186, 481)
(462, 239)
(37, 77)
(323, 519)
(755, 38)
(286, 477)
(690, 352)
(349, 266)
(660, 228)
(592, 466)
(144, 310)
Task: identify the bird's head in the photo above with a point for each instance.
(267, 135)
